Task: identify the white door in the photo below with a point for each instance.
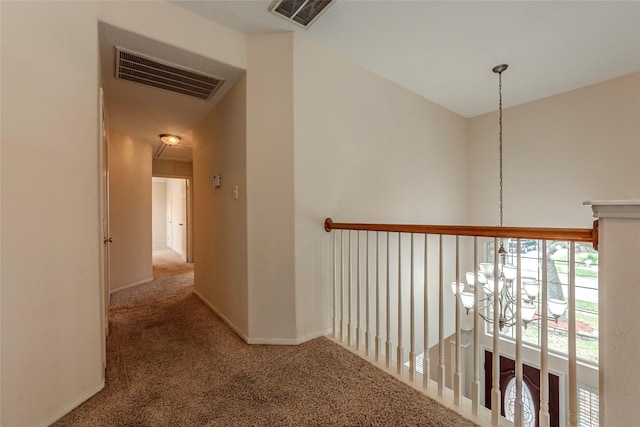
(169, 217)
(183, 222)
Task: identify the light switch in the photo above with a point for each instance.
(235, 191)
(217, 181)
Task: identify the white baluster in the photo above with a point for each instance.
(518, 404)
(335, 273)
(495, 389)
(367, 335)
(426, 366)
(341, 286)
(457, 378)
(441, 372)
(378, 337)
(573, 379)
(476, 333)
(412, 346)
(358, 293)
(349, 327)
(544, 346)
(388, 343)
(400, 354)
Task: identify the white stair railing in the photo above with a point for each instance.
(418, 276)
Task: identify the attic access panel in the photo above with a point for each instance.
(143, 69)
(302, 12)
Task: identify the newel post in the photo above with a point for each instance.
(619, 310)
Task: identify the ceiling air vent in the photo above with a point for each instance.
(302, 12)
(154, 72)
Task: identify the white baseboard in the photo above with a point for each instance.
(272, 341)
(71, 406)
(313, 336)
(289, 341)
(131, 285)
(267, 341)
(222, 316)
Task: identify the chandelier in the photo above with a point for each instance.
(506, 273)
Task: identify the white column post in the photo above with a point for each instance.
(619, 317)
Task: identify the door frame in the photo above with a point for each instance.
(189, 202)
(104, 227)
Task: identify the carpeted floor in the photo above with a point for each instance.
(173, 362)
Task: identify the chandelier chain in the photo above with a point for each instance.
(500, 137)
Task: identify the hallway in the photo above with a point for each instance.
(172, 361)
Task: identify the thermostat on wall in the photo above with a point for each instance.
(217, 181)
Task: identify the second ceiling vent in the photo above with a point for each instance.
(154, 72)
(302, 12)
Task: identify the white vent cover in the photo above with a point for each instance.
(301, 12)
(149, 71)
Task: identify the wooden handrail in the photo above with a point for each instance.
(567, 234)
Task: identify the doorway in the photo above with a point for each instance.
(171, 222)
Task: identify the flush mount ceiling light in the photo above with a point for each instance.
(301, 12)
(169, 139)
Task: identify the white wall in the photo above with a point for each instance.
(159, 212)
(558, 152)
(50, 239)
(270, 188)
(157, 20)
(129, 211)
(220, 221)
(51, 357)
(170, 168)
(366, 150)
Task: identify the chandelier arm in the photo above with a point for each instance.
(485, 318)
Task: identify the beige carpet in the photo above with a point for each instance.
(172, 362)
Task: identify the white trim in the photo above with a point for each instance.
(268, 341)
(321, 333)
(272, 341)
(71, 406)
(629, 202)
(291, 341)
(130, 285)
(626, 209)
(223, 317)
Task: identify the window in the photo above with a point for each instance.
(586, 268)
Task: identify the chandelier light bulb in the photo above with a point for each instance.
(169, 139)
